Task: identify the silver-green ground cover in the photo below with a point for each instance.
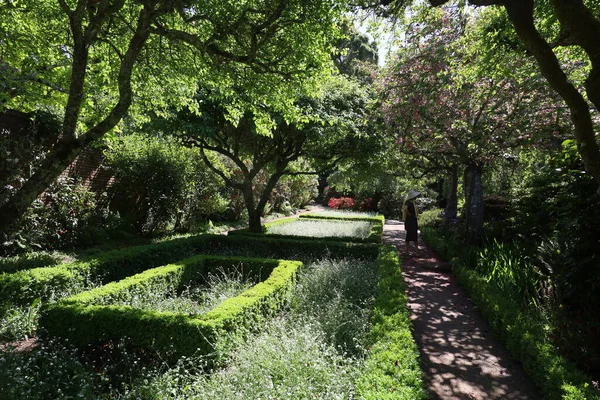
(323, 228)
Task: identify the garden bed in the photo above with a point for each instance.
(521, 327)
(345, 334)
(360, 229)
(94, 317)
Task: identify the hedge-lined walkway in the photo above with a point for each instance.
(460, 356)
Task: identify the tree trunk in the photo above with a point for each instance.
(255, 211)
(254, 223)
(580, 27)
(473, 187)
(521, 15)
(69, 148)
(51, 168)
(451, 197)
(322, 179)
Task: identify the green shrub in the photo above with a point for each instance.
(390, 205)
(431, 217)
(302, 248)
(28, 261)
(293, 192)
(23, 287)
(525, 336)
(55, 220)
(392, 368)
(161, 184)
(89, 317)
(216, 287)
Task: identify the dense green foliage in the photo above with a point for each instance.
(161, 184)
(392, 365)
(319, 346)
(496, 285)
(227, 111)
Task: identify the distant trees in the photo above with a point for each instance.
(543, 27)
(451, 111)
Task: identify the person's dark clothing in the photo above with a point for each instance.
(410, 223)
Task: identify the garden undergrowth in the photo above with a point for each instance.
(315, 348)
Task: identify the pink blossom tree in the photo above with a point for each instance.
(450, 111)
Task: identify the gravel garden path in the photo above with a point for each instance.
(460, 356)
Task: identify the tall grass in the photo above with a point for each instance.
(285, 361)
(338, 296)
(506, 266)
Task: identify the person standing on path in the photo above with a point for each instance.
(411, 223)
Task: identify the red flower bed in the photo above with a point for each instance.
(342, 203)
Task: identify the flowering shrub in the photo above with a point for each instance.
(367, 204)
(342, 203)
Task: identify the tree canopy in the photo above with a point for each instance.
(89, 61)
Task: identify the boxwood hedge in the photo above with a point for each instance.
(89, 317)
(392, 369)
(23, 287)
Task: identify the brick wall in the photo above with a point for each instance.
(88, 167)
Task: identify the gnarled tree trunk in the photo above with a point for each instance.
(451, 211)
(520, 13)
(70, 145)
(473, 187)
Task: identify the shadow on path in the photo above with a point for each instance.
(460, 356)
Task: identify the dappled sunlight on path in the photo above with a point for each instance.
(461, 358)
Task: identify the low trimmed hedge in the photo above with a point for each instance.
(376, 219)
(524, 336)
(88, 318)
(23, 287)
(375, 234)
(267, 245)
(392, 369)
(376, 230)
